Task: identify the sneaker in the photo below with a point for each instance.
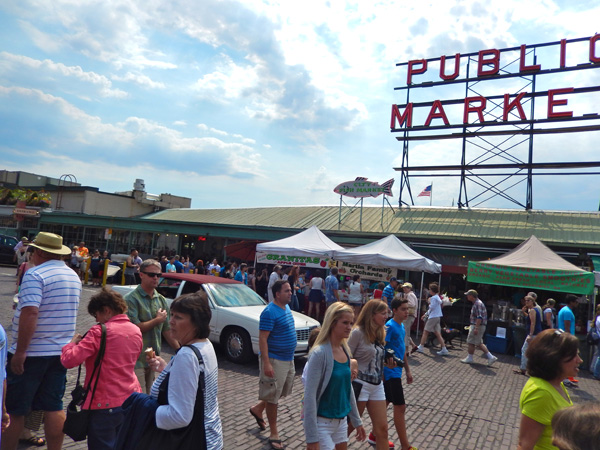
(373, 440)
(467, 360)
(420, 349)
(443, 352)
(567, 383)
(492, 360)
(573, 380)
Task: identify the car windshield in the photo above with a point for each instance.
(228, 295)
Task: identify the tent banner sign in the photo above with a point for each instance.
(291, 260)
(366, 271)
(552, 280)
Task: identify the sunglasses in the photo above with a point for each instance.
(152, 274)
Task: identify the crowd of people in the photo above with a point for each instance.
(136, 399)
(124, 400)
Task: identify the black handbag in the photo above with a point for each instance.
(77, 421)
(191, 437)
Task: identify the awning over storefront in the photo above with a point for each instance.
(532, 265)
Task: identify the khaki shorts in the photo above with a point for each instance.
(271, 390)
(476, 339)
(433, 324)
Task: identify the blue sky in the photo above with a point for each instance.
(258, 103)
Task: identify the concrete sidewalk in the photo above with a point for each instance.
(449, 406)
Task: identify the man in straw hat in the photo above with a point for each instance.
(43, 323)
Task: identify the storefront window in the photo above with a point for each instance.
(142, 242)
(165, 244)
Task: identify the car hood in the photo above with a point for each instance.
(254, 312)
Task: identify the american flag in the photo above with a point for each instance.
(425, 192)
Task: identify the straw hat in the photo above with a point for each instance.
(51, 243)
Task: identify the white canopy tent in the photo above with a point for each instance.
(389, 252)
(310, 242)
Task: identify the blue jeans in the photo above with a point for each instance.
(104, 427)
(596, 366)
(523, 357)
(294, 305)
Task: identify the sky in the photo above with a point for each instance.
(258, 103)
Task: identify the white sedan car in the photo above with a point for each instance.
(235, 309)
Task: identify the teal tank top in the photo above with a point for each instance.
(335, 401)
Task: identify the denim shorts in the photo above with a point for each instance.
(40, 388)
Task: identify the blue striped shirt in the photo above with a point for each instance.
(54, 289)
(282, 337)
(388, 293)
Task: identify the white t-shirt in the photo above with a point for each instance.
(435, 307)
(354, 294)
(316, 283)
(272, 279)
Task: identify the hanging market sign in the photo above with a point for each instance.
(362, 187)
(366, 272)
(496, 64)
(291, 260)
(551, 280)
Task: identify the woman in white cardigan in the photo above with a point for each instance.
(328, 395)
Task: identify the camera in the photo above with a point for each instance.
(389, 353)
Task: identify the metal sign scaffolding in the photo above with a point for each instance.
(497, 151)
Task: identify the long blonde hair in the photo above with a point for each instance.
(332, 315)
(373, 333)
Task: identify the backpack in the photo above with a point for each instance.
(593, 338)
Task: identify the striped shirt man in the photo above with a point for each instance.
(54, 289)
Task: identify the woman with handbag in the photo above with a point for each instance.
(186, 389)
(366, 343)
(113, 380)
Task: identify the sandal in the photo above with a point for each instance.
(259, 420)
(34, 440)
(278, 442)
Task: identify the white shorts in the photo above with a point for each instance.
(331, 432)
(370, 392)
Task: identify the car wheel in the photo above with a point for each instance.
(238, 347)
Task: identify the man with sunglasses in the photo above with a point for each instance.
(148, 310)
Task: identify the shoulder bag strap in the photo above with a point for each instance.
(98, 363)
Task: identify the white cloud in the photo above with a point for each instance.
(19, 63)
(141, 80)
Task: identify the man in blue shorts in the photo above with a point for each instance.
(43, 323)
(277, 342)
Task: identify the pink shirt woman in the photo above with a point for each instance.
(117, 379)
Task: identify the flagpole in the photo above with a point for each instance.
(431, 194)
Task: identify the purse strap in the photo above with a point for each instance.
(97, 365)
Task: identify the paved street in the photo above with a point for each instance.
(450, 405)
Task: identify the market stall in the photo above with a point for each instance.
(309, 248)
(389, 252)
(532, 265)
